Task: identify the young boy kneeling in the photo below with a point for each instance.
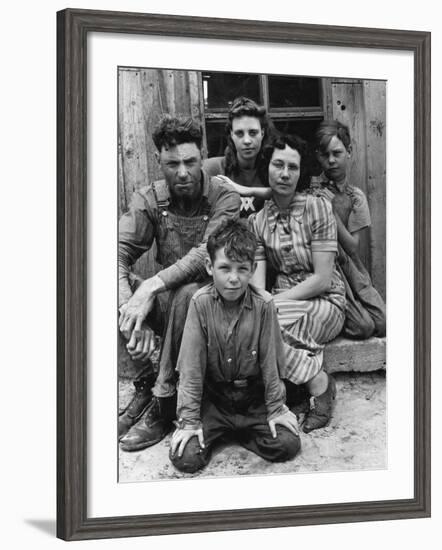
(229, 363)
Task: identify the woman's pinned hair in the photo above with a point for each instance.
(280, 141)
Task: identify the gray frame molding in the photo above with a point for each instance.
(72, 29)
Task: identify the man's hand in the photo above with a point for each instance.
(181, 436)
(135, 311)
(287, 419)
(141, 344)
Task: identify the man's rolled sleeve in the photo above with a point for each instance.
(191, 267)
(272, 362)
(191, 365)
(135, 236)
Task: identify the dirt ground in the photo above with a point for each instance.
(354, 440)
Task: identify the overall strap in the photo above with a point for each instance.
(162, 196)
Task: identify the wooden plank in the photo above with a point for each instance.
(197, 103)
(375, 109)
(132, 131)
(167, 91)
(182, 93)
(153, 110)
(122, 199)
(348, 108)
(327, 97)
(196, 98)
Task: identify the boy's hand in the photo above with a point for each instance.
(287, 419)
(181, 436)
(326, 193)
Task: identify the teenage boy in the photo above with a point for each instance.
(230, 362)
(365, 311)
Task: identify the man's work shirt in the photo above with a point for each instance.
(180, 238)
(217, 349)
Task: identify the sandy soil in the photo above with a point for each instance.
(354, 440)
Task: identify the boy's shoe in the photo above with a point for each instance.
(320, 408)
(153, 427)
(139, 402)
(297, 398)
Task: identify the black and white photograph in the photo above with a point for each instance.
(251, 274)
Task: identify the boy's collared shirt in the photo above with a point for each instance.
(222, 349)
(355, 212)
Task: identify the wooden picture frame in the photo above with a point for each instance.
(73, 27)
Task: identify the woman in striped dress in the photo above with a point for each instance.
(297, 238)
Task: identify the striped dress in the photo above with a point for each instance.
(287, 242)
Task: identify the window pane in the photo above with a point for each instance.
(220, 89)
(293, 91)
(216, 138)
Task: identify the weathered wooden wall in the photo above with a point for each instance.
(361, 105)
(145, 94)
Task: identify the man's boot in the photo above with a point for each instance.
(139, 402)
(320, 408)
(153, 427)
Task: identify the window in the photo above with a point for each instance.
(294, 103)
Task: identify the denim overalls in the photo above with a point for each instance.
(176, 236)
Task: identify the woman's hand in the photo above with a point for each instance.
(315, 284)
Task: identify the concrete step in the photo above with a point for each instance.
(341, 355)
(344, 355)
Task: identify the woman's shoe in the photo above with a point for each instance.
(321, 406)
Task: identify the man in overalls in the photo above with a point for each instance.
(177, 213)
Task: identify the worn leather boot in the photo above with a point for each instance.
(320, 408)
(139, 402)
(153, 427)
(297, 398)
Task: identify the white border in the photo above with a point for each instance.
(105, 496)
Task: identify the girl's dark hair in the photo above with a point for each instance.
(279, 141)
(329, 129)
(236, 239)
(243, 106)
